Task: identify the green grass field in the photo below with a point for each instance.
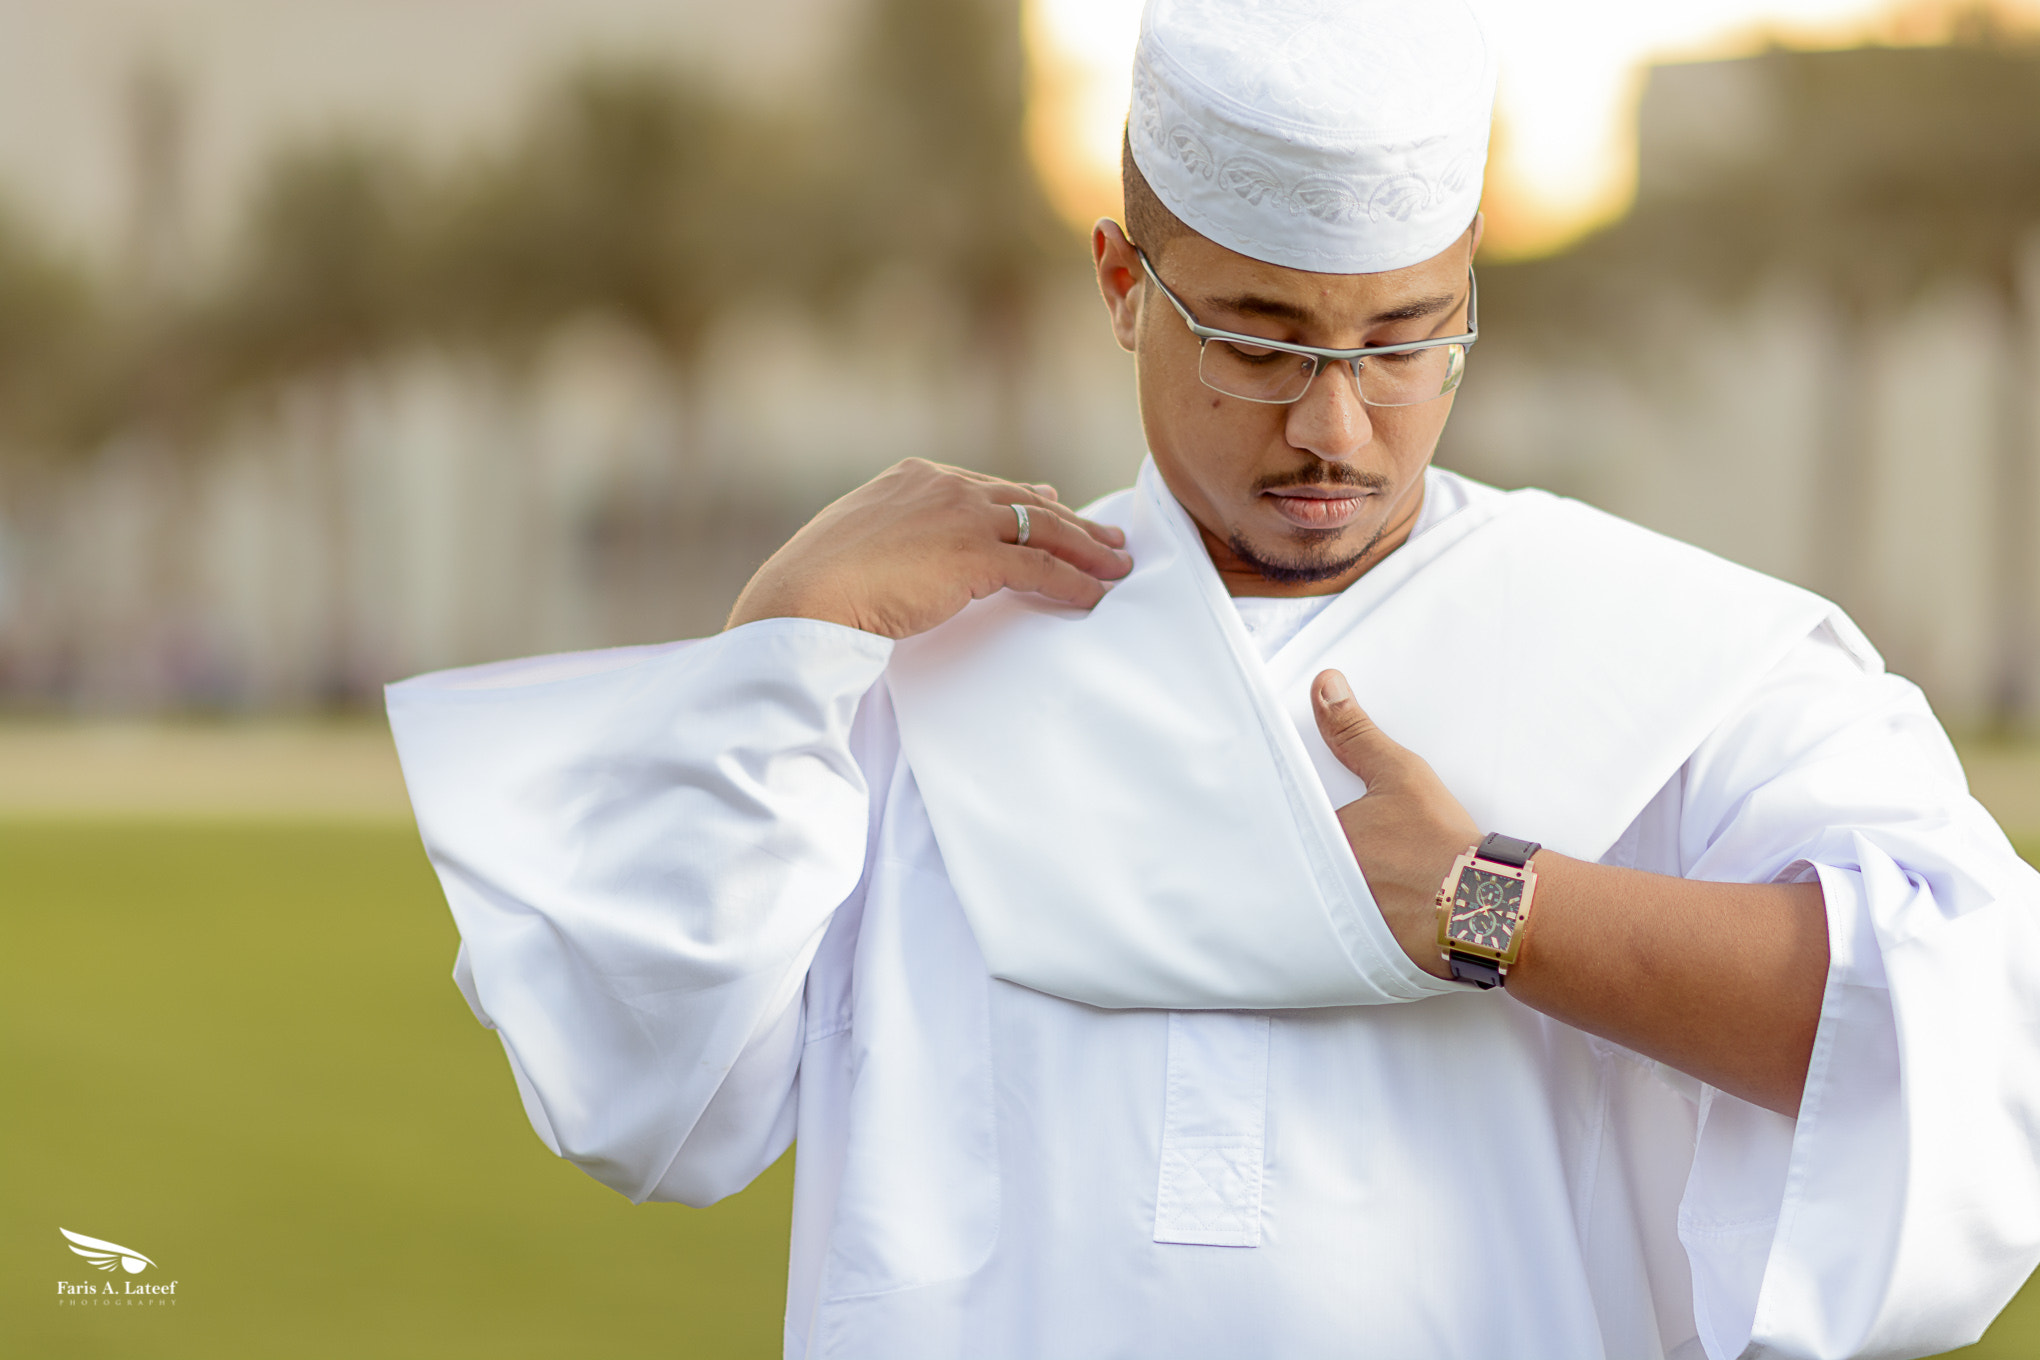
(236, 1049)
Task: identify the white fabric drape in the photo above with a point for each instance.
(1185, 791)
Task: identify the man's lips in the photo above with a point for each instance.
(1318, 507)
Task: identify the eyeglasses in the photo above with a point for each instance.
(1254, 368)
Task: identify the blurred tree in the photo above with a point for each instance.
(942, 180)
(1877, 171)
(627, 194)
(633, 190)
(940, 149)
(49, 327)
(328, 266)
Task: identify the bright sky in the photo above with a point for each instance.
(1571, 70)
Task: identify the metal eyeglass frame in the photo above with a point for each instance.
(1354, 357)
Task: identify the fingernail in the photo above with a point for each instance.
(1332, 689)
(1125, 558)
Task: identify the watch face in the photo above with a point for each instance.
(1484, 908)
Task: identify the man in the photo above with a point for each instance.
(1645, 983)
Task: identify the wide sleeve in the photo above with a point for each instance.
(1901, 1210)
(642, 849)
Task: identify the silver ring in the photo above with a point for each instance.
(1020, 513)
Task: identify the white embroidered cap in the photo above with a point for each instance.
(1338, 136)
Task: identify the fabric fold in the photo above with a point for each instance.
(1199, 862)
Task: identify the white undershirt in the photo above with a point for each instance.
(1272, 620)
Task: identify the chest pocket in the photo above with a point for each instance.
(1214, 1130)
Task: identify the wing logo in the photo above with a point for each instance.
(107, 1255)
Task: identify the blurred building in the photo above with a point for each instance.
(437, 509)
(1810, 347)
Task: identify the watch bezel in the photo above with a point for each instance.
(1449, 945)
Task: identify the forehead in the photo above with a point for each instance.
(1200, 271)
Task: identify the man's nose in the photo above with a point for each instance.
(1330, 420)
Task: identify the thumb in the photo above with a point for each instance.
(1360, 746)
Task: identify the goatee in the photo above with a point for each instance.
(1316, 564)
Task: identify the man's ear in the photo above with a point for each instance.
(1119, 279)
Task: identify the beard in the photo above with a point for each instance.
(1314, 554)
(1320, 561)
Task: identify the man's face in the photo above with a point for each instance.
(1298, 499)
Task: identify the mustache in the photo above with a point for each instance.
(1324, 477)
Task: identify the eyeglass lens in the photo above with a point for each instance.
(1273, 375)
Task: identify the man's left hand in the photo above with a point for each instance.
(1405, 831)
(1735, 1003)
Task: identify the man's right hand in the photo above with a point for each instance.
(909, 549)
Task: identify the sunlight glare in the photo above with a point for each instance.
(1571, 72)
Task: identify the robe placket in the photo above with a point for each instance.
(1214, 1130)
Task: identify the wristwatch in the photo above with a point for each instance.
(1483, 907)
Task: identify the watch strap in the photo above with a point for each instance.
(1507, 850)
(1480, 972)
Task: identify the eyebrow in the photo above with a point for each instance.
(1274, 309)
